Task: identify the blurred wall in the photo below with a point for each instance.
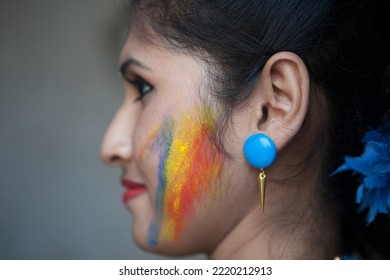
(59, 89)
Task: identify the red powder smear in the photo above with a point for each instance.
(205, 167)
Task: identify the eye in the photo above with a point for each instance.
(142, 86)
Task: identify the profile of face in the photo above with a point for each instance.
(183, 191)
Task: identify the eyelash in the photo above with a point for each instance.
(140, 85)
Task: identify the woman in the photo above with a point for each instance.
(223, 96)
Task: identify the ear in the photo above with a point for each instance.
(281, 98)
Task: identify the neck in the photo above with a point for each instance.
(304, 229)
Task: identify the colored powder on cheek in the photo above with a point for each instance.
(192, 166)
(189, 165)
(152, 234)
(151, 141)
(159, 141)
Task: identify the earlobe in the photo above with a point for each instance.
(283, 95)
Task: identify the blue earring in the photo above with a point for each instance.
(260, 152)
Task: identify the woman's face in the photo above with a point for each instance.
(185, 196)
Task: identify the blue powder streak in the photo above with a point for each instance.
(164, 142)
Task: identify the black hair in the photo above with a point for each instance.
(343, 45)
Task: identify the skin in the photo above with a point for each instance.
(225, 221)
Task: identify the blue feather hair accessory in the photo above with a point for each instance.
(373, 166)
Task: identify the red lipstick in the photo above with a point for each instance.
(133, 189)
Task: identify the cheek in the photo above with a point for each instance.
(189, 165)
(190, 172)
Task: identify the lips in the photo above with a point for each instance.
(133, 189)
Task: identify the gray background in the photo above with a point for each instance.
(59, 89)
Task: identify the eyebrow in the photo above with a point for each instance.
(131, 62)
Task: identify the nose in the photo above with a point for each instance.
(116, 148)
